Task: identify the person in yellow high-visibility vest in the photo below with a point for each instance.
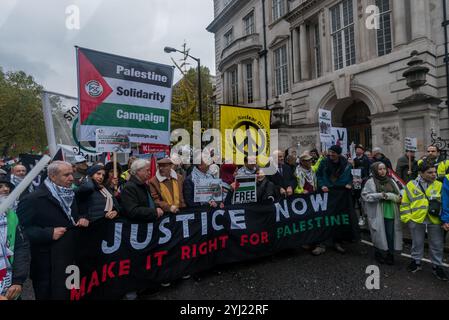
(420, 209)
(434, 155)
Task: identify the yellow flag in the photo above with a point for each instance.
(244, 129)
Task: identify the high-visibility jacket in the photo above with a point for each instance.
(445, 200)
(442, 168)
(415, 206)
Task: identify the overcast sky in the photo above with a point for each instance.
(34, 37)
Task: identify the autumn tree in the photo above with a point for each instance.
(21, 122)
(185, 105)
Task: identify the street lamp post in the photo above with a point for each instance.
(200, 99)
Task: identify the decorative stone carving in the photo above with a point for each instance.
(390, 134)
(305, 141)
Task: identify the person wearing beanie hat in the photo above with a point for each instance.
(334, 172)
(94, 198)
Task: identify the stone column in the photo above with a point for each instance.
(399, 23)
(241, 82)
(419, 18)
(304, 53)
(256, 79)
(296, 54)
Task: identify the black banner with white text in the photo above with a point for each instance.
(116, 257)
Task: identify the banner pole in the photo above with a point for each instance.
(114, 156)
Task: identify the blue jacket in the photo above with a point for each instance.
(445, 200)
(324, 180)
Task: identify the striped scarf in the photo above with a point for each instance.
(5, 254)
(64, 196)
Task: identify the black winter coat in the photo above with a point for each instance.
(266, 191)
(91, 202)
(284, 180)
(39, 213)
(136, 200)
(22, 259)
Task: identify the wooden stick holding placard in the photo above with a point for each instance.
(114, 159)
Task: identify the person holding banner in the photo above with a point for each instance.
(49, 217)
(137, 203)
(265, 189)
(94, 198)
(14, 250)
(283, 179)
(166, 187)
(306, 175)
(420, 209)
(199, 172)
(382, 197)
(334, 172)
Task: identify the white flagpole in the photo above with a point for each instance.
(9, 201)
(49, 127)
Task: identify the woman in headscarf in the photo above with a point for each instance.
(94, 198)
(382, 197)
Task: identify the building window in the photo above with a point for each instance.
(280, 70)
(229, 37)
(278, 9)
(343, 44)
(384, 43)
(248, 23)
(317, 50)
(249, 83)
(234, 86)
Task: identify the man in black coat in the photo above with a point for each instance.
(403, 170)
(136, 200)
(284, 179)
(50, 218)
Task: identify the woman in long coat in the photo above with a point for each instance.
(382, 198)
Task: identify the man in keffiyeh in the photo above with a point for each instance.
(50, 217)
(18, 173)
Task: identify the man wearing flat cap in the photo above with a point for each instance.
(166, 187)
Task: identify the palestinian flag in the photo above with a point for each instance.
(124, 93)
(246, 190)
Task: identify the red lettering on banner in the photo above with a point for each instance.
(124, 267)
(185, 252)
(107, 272)
(93, 281)
(189, 252)
(159, 256)
(254, 239)
(76, 294)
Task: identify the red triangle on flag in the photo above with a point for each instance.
(93, 88)
(153, 166)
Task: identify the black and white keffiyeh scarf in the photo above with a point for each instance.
(64, 196)
(5, 253)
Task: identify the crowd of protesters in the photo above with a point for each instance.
(74, 195)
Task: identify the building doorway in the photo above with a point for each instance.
(356, 119)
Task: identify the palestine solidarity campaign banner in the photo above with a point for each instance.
(116, 257)
(124, 93)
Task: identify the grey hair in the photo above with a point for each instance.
(137, 165)
(53, 168)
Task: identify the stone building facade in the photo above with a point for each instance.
(332, 54)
